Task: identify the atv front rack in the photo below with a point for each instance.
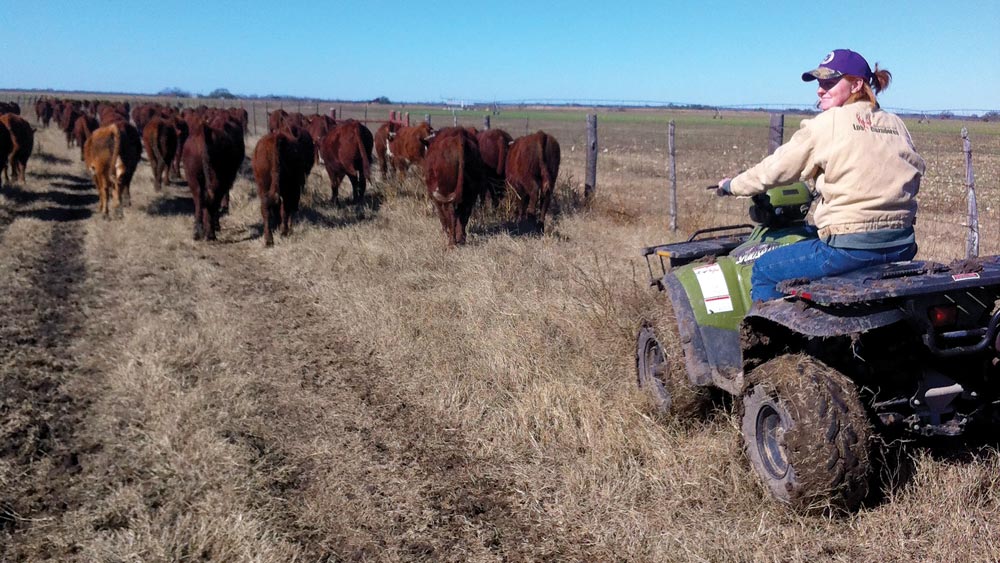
(696, 247)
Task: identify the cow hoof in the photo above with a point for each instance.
(268, 242)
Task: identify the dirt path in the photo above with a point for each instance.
(45, 294)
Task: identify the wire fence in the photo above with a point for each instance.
(632, 150)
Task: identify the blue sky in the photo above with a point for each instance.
(942, 55)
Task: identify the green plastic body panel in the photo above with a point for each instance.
(736, 273)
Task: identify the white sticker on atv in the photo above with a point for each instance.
(714, 289)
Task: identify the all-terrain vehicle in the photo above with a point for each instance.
(907, 347)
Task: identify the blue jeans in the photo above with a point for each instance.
(814, 259)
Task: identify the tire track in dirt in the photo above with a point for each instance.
(419, 491)
(42, 271)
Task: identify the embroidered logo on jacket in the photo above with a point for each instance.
(865, 124)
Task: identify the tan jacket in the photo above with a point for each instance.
(866, 169)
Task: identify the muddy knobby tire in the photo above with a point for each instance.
(661, 373)
(806, 434)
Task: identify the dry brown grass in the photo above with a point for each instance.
(357, 392)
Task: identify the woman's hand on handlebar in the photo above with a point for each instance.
(722, 188)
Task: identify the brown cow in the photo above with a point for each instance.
(532, 168)
(385, 131)
(318, 127)
(67, 121)
(275, 120)
(347, 151)
(130, 153)
(493, 147)
(408, 146)
(84, 126)
(160, 139)
(22, 138)
(453, 174)
(6, 145)
(10, 107)
(43, 111)
(182, 129)
(102, 153)
(212, 157)
(280, 166)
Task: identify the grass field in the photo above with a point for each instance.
(359, 393)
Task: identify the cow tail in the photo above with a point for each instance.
(115, 152)
(206, 167)
(365, 161)
(502, 161)
(273, 195)
(546, 177)
(157, 150)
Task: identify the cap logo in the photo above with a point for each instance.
(829, 57)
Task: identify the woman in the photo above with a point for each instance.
(866, 172)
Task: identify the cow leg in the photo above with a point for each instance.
(116, 199)
(224, 206)
(265, 214)
(335, 180)
(283, 217)
(102, 193)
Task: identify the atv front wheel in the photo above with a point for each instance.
(661, 373)
(806, 434)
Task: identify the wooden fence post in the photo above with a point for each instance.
(407, 119)
(454, 119)
(590, 183)
(672, 152)
(253, 111)
(486, 122)
(527, 124)
(366, 113)
(777, 132)
(972, 239)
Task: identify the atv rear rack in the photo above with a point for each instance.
(680, 253)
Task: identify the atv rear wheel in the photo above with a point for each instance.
(806, 434)
(660, 372)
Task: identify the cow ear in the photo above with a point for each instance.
(392, 134)
(428, 138)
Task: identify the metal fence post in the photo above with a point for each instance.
(427, 118)
(590, 183)
(972, 239)
(486, 122)
(777, 132)
(672, 151)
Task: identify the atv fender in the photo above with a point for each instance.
(698, 369)
(806, 319)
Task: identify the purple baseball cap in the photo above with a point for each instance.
(840, 62)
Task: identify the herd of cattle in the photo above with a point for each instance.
(461, 166)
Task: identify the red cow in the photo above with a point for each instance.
(160, 139)
(143, 114)
(347, 151)
(453, 174)
(6, 145)
(280, 166)
(182, 129)
(382, 136)
(43, 111)
(130, 153)
(22, 138)
(84, 126)
(318, 126)
(408, 146)
(532, 167)
(493, 147)
(212, 157)
(102, 153)
(242, 116)
(275, 119)
(67, 120)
